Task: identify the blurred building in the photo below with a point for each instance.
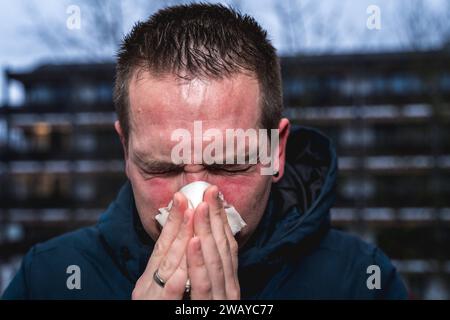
(388, 114)
(60, 159)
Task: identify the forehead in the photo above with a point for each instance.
(160, 105)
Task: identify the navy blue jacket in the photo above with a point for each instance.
(293, 254)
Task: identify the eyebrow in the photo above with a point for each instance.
(161, 166)
(156, 165)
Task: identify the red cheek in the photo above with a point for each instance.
(159, 191)
(234, 189)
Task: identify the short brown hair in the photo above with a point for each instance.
(200, 40)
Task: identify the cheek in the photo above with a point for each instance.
(159, 192)
(153, 193)
(244, 193)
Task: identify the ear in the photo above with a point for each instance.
(122, 138)
(124, 143)
(283, 130)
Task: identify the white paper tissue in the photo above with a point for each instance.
(194, 193)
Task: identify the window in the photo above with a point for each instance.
(444, 82)
(351, 137)
(105, 92)
(405, 83)
(40, 94)
(293, 87)
(86, 94)
(85, 142)
(84, 189)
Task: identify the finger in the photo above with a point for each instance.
(174, 288)
(217, 211)
(183, 263)
(234, 248)
(184, 268)
(176, 285)
(171, 261)
(233, 245)
(198, 274)
(169, 232)
(213, 261)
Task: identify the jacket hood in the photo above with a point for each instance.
(297, 213)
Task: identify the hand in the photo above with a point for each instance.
(168, 256)
(212, 255)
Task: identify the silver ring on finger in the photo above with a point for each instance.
(187, 288)
(159, 281)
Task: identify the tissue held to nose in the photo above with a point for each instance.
(194, 193)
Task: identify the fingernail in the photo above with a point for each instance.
(220, 196)
(175, 200)
(207, 213)
(185, 218)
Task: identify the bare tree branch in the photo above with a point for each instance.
(102, 27)
(305, 21)
(422, 26)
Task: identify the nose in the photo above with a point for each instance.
(194, 172)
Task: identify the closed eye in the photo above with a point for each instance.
(166, 172)
(231, 169)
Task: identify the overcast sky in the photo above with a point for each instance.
(21, 48)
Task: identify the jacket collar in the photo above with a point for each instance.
(124, 236)
(298, 211)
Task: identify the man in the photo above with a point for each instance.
(204, 62)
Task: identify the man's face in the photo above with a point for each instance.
(159, 106)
